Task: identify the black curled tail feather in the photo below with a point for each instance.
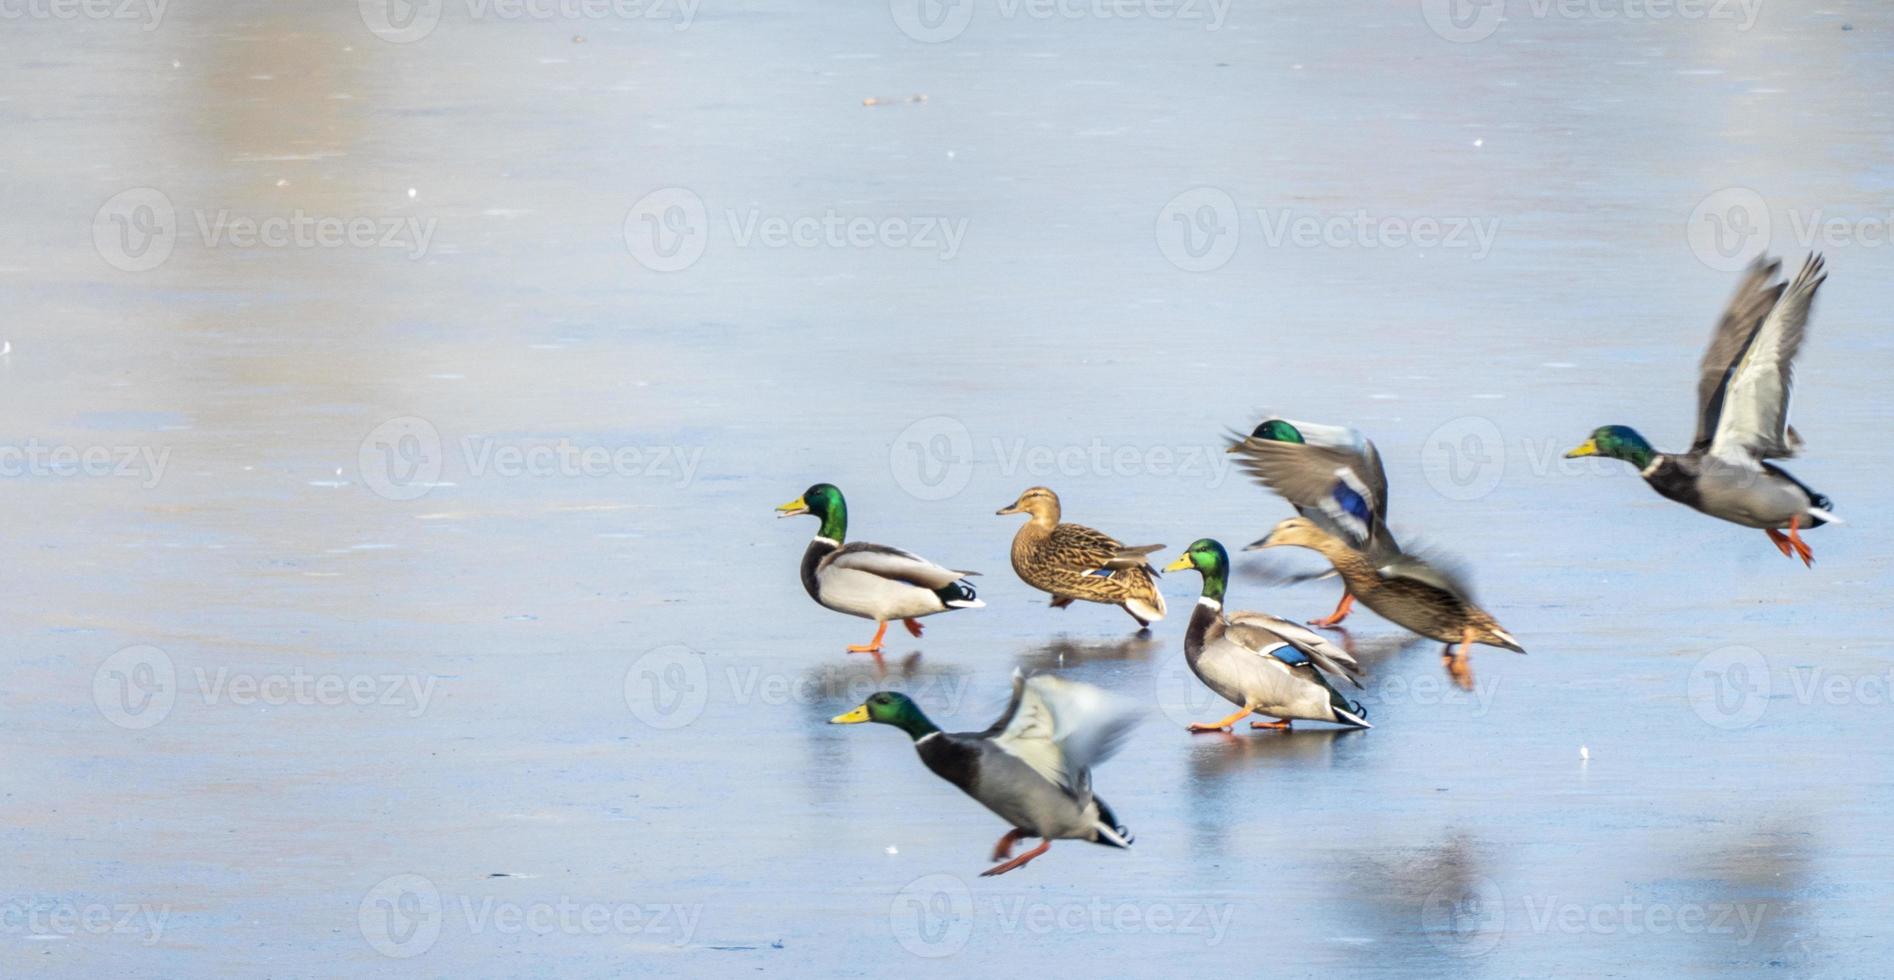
(1108, 821)
(956, 593)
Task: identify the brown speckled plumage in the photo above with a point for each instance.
(1072, 561)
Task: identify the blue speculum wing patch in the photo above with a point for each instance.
(1351, 502)
(1288, 654)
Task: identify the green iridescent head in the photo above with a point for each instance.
(889, 708)
(1275, 430)
(825, 502)
(1616, 442)
(1208, 557)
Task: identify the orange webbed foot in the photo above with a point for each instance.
(872, 646)
(1801, 547)
(1341, 612)
(1017, 862)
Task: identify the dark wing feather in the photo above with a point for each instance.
(1753, 423)
(1341, 491)
(1428, 573)
(1076, 545)
(1743, 315)
(892, 563)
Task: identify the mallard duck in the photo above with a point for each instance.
(1073, 561)
(1268, 665)
(1332, 475)
(872, 581)
(1033, 766)
(1406, 591)
(1742, 417)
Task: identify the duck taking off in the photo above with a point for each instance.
(872, 581)
(1332, 475)
(1742, 417)
(1268, 665)
(1033, 766)
(1406, 591)
(1073, 561)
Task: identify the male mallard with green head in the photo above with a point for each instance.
(1033, 766)
(1072, 561)
(1742, 417)
(1266, 664)
(1332, 475)
(872, 581)
(1406, 591)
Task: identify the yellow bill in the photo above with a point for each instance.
(1588, 448)
(856, 717)
(1182, 563)
(792, 508)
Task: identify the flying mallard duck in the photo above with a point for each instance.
(1332, 475)
(1406, 591)
(1033, 766)
(1268, 665)
(1072, 561)
(872, 581)
(1742, 417)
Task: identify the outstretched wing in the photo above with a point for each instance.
(892, 563)
(1368, 465)
(1431, 574)
(1752, 301)
(1754, 422)
(1261, 631)
(1061, 728)
(1343, 491)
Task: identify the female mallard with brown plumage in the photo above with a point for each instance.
(1406, 591)
(1072, 561)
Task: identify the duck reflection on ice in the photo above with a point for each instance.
(1067, 652)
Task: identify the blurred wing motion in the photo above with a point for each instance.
(1752, 301)
(1416, 569)
(1061, 728)
(1334, 479)
(1752, 423)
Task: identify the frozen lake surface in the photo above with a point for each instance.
(396, 399)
